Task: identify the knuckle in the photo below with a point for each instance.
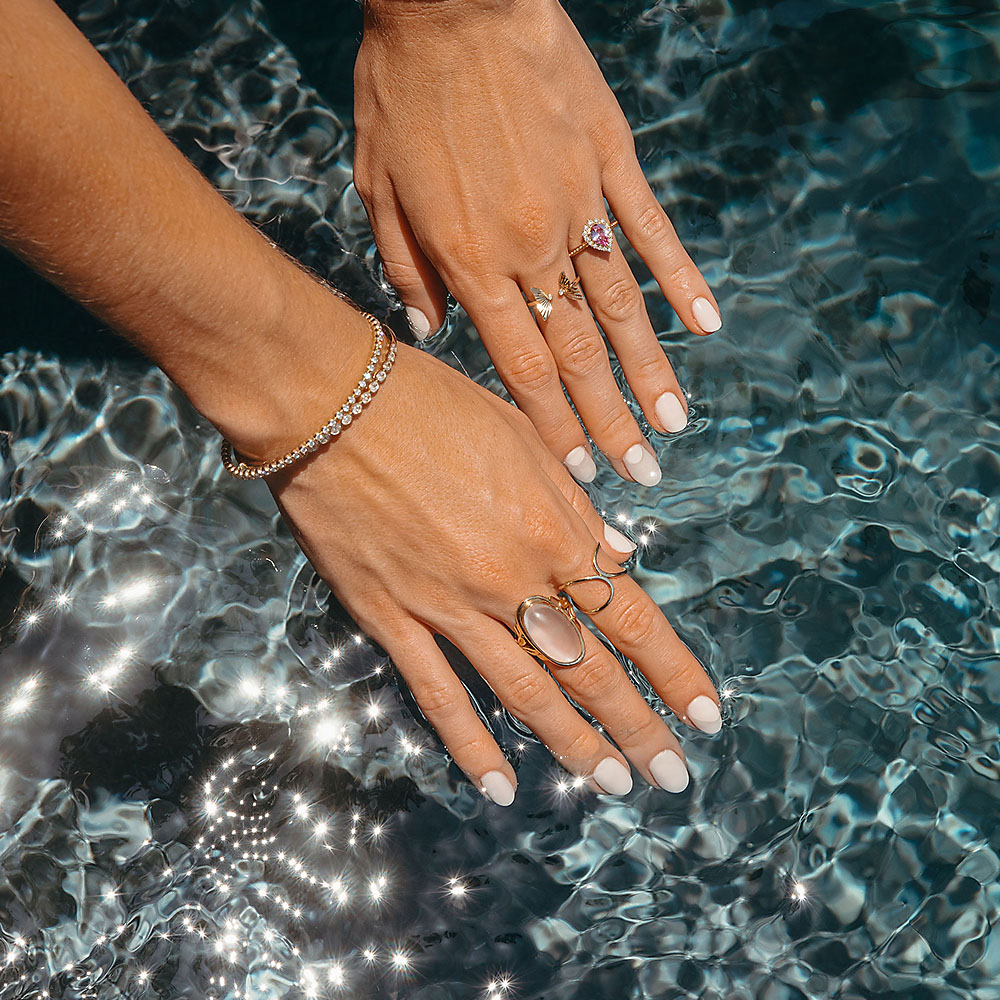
(652, 367)
(530, 372)
(464, 244)
(583, 354)
(542, 526)
(620, 300)
(638, 622)
(616, 143)
(529, 693)
(534, 226)
(652, 223)
(638, 729)
(583, 746)
(620, 425)
(403, 274)
(594, 679)
(435, 698)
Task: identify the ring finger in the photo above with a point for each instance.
(531, 695)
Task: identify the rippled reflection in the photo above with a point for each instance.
(211, 785)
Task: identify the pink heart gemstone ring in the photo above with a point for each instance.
(547, 627)
(597, 234)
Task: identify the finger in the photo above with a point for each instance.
(445, 703)
(582, 358)
(618, 546)
(600, 685)
(526, 366)
(417, 283)
(616, 299)
(637, 628)
(531, 695)
(650, 232)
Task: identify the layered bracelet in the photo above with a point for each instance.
(383, 355)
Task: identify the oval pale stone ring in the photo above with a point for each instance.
(547, 627)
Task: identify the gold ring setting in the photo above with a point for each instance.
(542, 301)
(548, 627)
(598, 235)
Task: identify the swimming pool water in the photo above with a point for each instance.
(211, 786)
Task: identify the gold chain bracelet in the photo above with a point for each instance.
(383, 355)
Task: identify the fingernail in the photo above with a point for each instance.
(705, 315)
(670, 412)
(642, 465)
(669, 771)
(497, 788)
(419, 323)
(617, 540)
(613, 776)
(581, 465)
(704, 713)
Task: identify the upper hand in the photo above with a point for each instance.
(486, 138)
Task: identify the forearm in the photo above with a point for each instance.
(95, 197)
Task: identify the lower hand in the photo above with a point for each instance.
(448, 513)
(486, 139)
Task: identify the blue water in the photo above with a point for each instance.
(211, 786)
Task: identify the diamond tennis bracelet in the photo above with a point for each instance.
(383, 355)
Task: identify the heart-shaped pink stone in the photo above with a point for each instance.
(553, 633)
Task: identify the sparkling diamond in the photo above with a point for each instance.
(366, 397)
(346, 419)
(356, 409)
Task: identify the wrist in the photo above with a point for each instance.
(451, 15)
(294, 368)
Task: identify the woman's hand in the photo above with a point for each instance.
(486, 139)
(449, 512)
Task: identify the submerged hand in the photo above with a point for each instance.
(444, 530)
(486, 139)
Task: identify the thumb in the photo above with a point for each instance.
(417, 283)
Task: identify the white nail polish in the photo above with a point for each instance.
(704, 713)
(670, 413)
(419, 323)
(705, 315)
(581, 465)
(669, 772)
(617, 540)
(642, 465)
(613, 776)
(497, 788)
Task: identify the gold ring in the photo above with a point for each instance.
(547, 627)
(542, 301)
(597, 234)
(550, 622)
(602, 576)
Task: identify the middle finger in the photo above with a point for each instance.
(585, 370)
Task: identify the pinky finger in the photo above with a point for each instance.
(445, 703)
